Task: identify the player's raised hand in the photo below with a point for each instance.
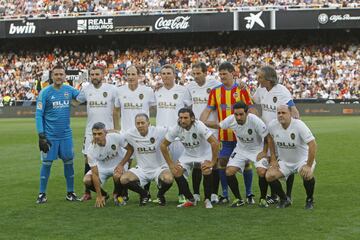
(44, 144)
(100, 202)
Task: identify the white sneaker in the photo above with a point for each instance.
(214, 198)
(197, 197)
(208, 203)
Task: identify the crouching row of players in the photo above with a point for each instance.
(290, 138)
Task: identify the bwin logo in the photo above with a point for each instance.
(29, 28)
(252, 19)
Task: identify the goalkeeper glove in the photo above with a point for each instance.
(44, 144)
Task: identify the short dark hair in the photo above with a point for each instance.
(142, 115)
(200, 65)
(241, 105)
(98, 126)
(169, 66)
(95, 67)
(58, 66)
(226, 66)
(270, 74)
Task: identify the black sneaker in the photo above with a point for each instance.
(41, 198)
(223, 200)
(237, 203)
(309, 203)
(143, 201)
(274, 199)
(71, 196)
(250, 199)
(149, 197)
(284, 203)
(161, 200)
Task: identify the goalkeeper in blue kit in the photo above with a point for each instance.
(55, 136)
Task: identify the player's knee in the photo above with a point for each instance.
(270, 176)
(230, 171)
(124, 179)
(261, 172)
(167, 178)
(206, 171)
(223, 162)
(87, 180)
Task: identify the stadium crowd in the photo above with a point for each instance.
(308, 71)
(15, 8)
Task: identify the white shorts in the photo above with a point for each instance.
(287, 169)
(86, 144)
(176, 149)
(146, 176)
(104, 174)
(188, 162)
(239, 160)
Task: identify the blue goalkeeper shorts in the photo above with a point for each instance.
(226, 148)
(62, 149)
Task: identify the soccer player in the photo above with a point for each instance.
(252, 144)
(200, 147)
(170, 98)
(221, 101)
(269, 95)
(296, 149)
(197, 95)
(133, 99)
(104, 154)
(100, 104)
(55, 135)
(145, 142)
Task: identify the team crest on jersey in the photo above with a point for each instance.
(66, 94)
(113, 147)
(236, 95)
(194, 136)
(105, 94)
(141, 96)
(292, 135)
(250, 131)
(208, 90)
(152, 140)
(39, 106)
(175, 96)
(274, 99)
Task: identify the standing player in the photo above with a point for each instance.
(269, 95)
(170, 98)
(197, 95)
(221, 101)
(252, 144)
(296, 149)
(55, 135)
(100, 99)
(104, 154)
(145, 141)
(200, 147)
(133, 99)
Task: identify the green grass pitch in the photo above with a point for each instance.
(336, 214)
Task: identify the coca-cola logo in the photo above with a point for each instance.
(179, 22)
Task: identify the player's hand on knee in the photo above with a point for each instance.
(100, 202)
(44, 144)
(306, 172)
(206, 165)
(119, 170)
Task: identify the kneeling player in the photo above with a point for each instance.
(145, 141)
(296, 148)
(104, 154)
(200, 146)
(250, 132)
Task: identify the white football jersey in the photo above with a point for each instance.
(99, 105)
(132, 103)
(108, 156)
(250, 136)
(269, 100)
(147, 149)
(194, 140)
(168, 103)
(291, 143)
